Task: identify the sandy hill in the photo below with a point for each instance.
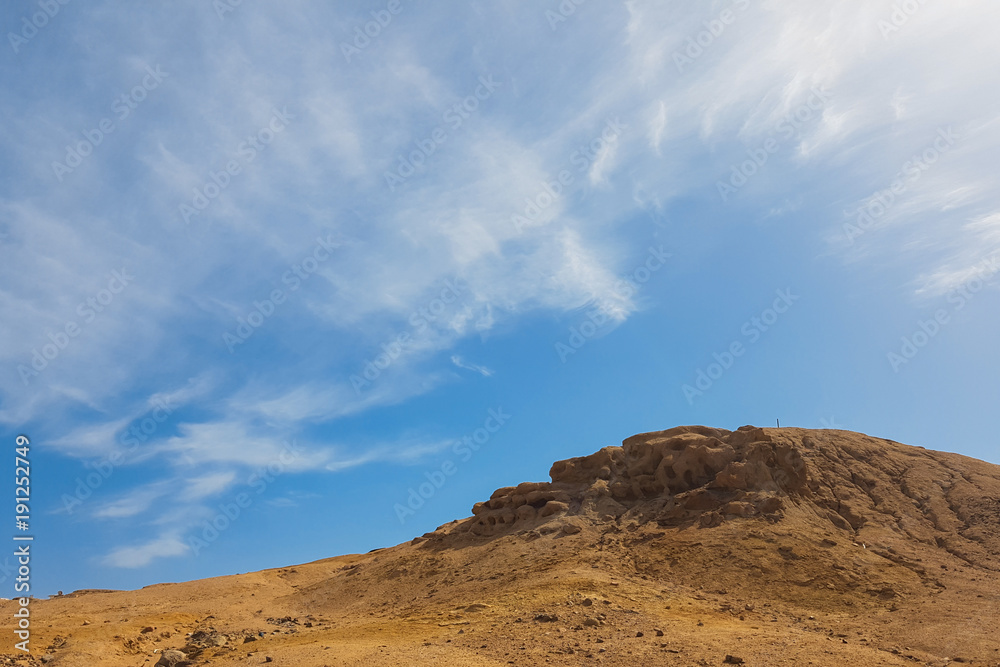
(692, 546)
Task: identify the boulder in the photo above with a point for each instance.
(172, 658)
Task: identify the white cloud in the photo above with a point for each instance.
(657, 126)
(320, 402)
(885, 106)
(134, 502)
(234, 444)
(199, 488)
(405, 451)
(93, 440)
(143, 554)
(604, 163)
(476, 368)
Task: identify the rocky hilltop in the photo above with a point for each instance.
(700, 476)
(686, 474)
(690, 546)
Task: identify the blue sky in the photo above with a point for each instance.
(273, 289)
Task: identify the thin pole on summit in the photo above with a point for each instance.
(779, 422)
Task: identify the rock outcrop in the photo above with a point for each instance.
(684, 474)
(703, 477)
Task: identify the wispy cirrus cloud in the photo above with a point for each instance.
(134, 502)
(476, 368)
(140, 555)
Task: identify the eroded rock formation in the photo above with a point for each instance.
(688, 473)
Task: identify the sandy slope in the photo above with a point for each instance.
(772, 546)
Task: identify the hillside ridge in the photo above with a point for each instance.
(689, 546)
